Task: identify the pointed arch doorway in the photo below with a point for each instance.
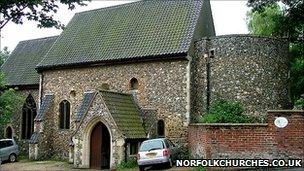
(100, 147)
(8, 132)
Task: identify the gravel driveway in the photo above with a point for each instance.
(58, 165)
(36, 165)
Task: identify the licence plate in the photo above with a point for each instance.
(151, 155)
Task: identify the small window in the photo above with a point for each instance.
(73, 93)
(133, 148)
(134, 84)
(160, 128)
(64, 116)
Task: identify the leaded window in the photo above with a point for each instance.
(64, 115)
(29, 112)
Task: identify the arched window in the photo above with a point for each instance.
(8, 132)
(72, 93)
(134, 84)
(64, 115)
(28, 114)
(161, 128)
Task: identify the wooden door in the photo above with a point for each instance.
(96, 144)
(106, 149)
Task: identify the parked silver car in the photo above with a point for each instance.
(156, 152)
(9, 150)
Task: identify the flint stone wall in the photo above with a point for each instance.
(17, 120)
(251, 70)
(162, 86)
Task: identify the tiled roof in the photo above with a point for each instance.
(134, 31)
(19, 69)
(46, 102)
(85, 104)
(125, 113)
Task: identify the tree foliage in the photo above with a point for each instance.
(290, 17)
(296, 70)
(37, 10)
(9, 100)
(9, 103)
(264, 23)
(267, 18)
(4, 55)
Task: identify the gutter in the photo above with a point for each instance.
(164, 57)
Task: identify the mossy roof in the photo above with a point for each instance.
(46, 102)
(88, 98)
(125, 114)
(134, 31)
(19, 68)
(35, 138)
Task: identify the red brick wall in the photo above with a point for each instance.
(250, 140)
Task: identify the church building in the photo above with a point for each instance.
(119, 75)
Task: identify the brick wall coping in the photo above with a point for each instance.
(286, 111)
(229, 124)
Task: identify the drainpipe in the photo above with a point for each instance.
(209, 56)
(41, 88)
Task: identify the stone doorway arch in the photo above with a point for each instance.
(97, 145)
(100, 147)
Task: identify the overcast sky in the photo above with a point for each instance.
(229, 18)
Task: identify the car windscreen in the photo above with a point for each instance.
(151, 145)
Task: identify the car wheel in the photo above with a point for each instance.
(12, 158)
(141, 168)
(170, 163)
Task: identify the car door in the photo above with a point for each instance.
(173, 149)
(3, 150)
(9, 147)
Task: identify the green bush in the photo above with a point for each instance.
(299, 104)
(223, 111)
(201, 168)
(184, 153)
(131, 163)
